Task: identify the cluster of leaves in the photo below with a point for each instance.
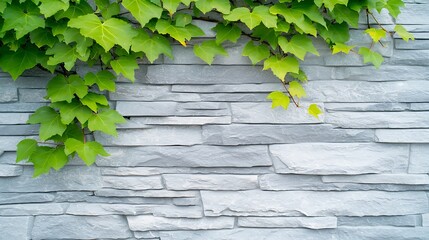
(115, 35)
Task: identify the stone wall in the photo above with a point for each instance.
(203, 156)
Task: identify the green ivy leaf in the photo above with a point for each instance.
(314, 110)
(403, 33)
(299, 45)
(281, 66)
(142, 10)
(394, 7)
(370, 56)
(50, 122)
(254, 18)
(87, 151)
(45, 158)
(50, 7)
(63, 53)
(296, 89)
(152, 46)
(336, 32)
(181, 34)
(207, 51)
(376, 34)
(107, 34)
(21, 20)
(256, 53)
(222, 6)
(343, 13)
(125, 66)
(15, 63)
(61, 88)
(92, 100)
(227, 33)
(25, 148)
(309, 9)
(330, 4)
(182, 19)
(296, 17)
(105, 80)
(70, 111)
(43, 37)
(105, 121)
(340, 47)
(171, 5)
(279, 99)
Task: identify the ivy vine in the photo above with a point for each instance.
(115, 35)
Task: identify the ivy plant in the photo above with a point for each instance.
(115, 35)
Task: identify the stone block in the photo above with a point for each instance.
(146, 108)
(419, 158)
(80, 227)
(343, 233)
(170, 211)
(19, 130)
(139, 92)
(418, 44)
(32, 95)
(404, 179)
(183, 156)
(410, 57)
(8, 143)
(10, 170)
(402, 135)
(419, 106)
(67, 179)
(263, 113)
(150, 223)
(32, 209)
(245, 134)
(414, 14)
(145, 193)
(339, 158)
(313, 203)
(12, 198)
(203, 74)
(425, 222)
(133, 183)
(19, 107)
(210, 182)
(366, 107)
(228, 88)
(234, 97)
(395, 221)
(15, 228)
(8, 93)
(384, 73)
(288, 222)
(147, 122)
(160, 135)
(378, 119)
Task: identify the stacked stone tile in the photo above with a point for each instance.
(203, 156)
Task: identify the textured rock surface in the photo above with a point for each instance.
(353, 203)
(343, 158)
(203, 156)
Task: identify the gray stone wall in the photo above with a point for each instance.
(203, 156)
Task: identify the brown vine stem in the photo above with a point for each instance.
(290, 95)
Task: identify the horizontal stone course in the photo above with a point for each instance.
(80, 227)
(245, 134)
(339, 158)
(402, 135)
(15, 228)
(188, 156)
(378, 119)
(295, 203)
(10, 170)
(406, 179)
(210, 182)
(288, 222)
(343, 233)
(148, 223)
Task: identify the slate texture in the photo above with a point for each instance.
(204, 157)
